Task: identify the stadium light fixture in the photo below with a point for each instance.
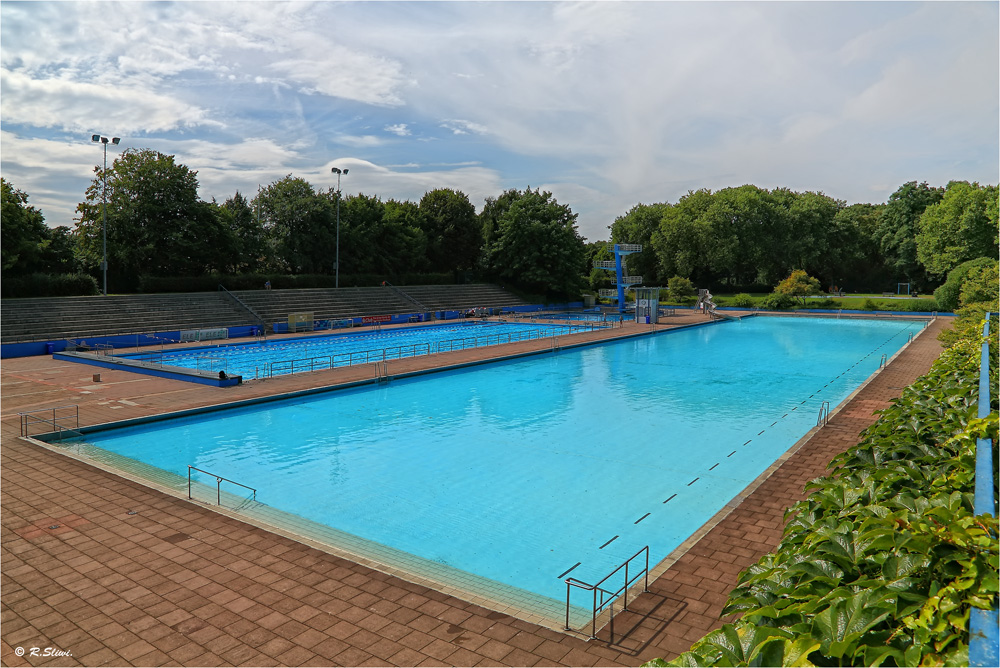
(104, 208)
(336, 263)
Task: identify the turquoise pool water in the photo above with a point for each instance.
(529, 471)
(282, 356)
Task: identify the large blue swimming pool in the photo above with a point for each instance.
(529, 471)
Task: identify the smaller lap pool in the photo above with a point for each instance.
(283, 356)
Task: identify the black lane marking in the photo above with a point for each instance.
(731, 453)
(748, 442)
(761, 432)
(802, 402)
(784, 416)
(774, 423)
(671, 496)
(564, 574)
(796, 408)
(716, 464)
(641, 518)
(606, 544)
(694, 481)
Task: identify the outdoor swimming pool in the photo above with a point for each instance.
(526, 472)
(281, 356)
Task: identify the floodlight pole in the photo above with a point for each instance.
(104, 206)
(338, 171)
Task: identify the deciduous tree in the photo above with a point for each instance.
(535, 244)
(898, 229)
(452, 229)
(960, 227)
(156, 224)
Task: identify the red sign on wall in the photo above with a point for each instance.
(369, 319)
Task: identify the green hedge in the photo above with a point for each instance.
(947, 296)
(150, 284)
(49, 285)
(883, 562)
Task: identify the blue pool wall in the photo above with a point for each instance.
(37, 348)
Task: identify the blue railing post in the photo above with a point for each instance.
(984, 639)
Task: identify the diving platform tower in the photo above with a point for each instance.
(621, 279)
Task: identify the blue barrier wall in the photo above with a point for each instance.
(984, 639)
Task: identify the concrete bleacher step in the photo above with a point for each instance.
(56, 318)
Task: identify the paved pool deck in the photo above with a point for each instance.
(116, 573)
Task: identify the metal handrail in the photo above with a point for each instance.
(310, 360)
(405, 296)
(882, 362)
(611, 595)
(218, 484)
(240, 302)
(29, 418)
(824, 414)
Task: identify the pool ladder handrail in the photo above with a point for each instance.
(382, 371)
(611, 596)
(218, 484)
(883, 362)
(824, 414)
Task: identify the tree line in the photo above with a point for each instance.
(742, 238)
(749, 238)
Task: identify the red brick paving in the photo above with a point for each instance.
(178, 584)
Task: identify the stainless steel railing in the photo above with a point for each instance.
(58, 418)
(605, 597)
(218, 484)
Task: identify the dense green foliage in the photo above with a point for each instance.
(897, 229)
(49, 285)
(750, 238)
(742, 238)
(882, 563)
(27, 245)
(961, 227)
(680, 290)
(156, 224)
(799, 284)
(948, 295)
(532, 241)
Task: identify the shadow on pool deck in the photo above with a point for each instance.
(118, 574)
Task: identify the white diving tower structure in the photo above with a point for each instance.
(621, 279)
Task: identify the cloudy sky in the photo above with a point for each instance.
(606, 104)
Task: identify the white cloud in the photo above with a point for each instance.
(612, 103)
(360, 141)
(399, 129)
(83, 106)
(371, 178)
(461, 127)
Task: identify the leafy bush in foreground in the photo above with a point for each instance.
(883, 562)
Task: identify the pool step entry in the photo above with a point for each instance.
(605, 598)
(218, 484)
(58, 419)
